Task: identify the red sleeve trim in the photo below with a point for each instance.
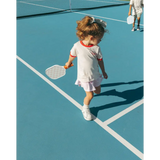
(99, 59)
(72, 55)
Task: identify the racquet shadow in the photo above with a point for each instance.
(141, 29)
(129, 96)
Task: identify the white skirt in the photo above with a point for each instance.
(89, 86)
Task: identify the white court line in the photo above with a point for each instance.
(76, 12)
(122, 113)
(105, 2)
(98, 121)
(91, 15)
(50, 83)
(41, 5)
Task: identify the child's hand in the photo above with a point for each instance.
(105, 75)
(68, 65)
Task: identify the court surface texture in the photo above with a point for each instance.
(50, 125)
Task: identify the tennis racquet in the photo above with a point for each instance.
(56, 71)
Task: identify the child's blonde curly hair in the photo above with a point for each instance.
(87, 26)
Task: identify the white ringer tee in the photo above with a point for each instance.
(87, 58)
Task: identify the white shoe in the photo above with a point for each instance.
(86, 113)
(138, 28)
(133, 29)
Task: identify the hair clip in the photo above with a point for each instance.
(93, 20)
(101, 22)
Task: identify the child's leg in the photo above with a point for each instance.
(88, 98)
(89, 95)
(85, 110)
(98, 90)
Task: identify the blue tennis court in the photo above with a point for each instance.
(50, 125)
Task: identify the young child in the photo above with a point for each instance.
(90, 32)
(136, 7)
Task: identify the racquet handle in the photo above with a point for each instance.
(69, 66)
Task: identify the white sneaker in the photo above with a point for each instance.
(133, 29)
(86, 113)
(138, 28)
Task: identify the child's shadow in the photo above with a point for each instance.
(129, 96)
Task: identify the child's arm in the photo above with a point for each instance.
(130, 8)
(68, 64)
(101, 65)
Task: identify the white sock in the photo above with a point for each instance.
(85, 106)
